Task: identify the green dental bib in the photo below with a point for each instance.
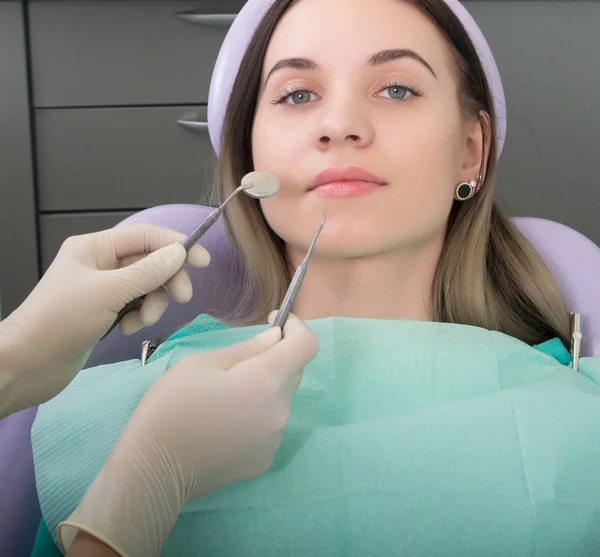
(405, 439)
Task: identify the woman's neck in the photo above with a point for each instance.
(392, 285)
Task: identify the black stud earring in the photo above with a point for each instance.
(465, 191)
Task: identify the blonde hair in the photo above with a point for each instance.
(488, 275)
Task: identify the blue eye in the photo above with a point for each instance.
(299, 97)
(399, 92)
(296, 97)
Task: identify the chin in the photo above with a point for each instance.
(353, 246)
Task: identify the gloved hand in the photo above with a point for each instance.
(211, 420)
(46, 341)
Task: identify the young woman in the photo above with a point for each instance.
(438, 417)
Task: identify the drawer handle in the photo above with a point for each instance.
(208, 20)
(193, 125)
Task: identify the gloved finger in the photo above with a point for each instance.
(196, 257)
(141, 238)
(285, 360)
(226, 358)
(153, 307)
(149, 273)
(130, 260)
(180, 287)
(151, 310)
(108, 247)
(131, 323)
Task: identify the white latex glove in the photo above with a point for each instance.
(46, 341)
(213, 419)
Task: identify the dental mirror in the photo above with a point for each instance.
(260, 184)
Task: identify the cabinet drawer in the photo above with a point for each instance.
(55, 229)
(100, 53)
(131, 158)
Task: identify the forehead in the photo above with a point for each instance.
(334, 32)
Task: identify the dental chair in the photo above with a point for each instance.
(574, 260)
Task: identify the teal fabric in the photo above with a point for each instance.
(557, 350)
(205, 323)
(404, 439)
(44, 545)
(202, 324)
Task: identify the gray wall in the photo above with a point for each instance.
(548, 55)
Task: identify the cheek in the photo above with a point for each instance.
(426, 165)
(261, 148)
(282, 153)
(272, 147)
(424, 150)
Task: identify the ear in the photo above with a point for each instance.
(477, 149)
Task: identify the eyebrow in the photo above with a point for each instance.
(383, 57)
(294, 64)
(386, 56)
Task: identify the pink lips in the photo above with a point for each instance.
(345, 182)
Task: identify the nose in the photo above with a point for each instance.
(343, 122)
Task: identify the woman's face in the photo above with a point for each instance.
(359, 117)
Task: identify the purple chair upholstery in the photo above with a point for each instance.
(19, 508)
(574, 260)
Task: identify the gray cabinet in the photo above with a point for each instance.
(104, 108)
(115, 87)
(95, 112)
